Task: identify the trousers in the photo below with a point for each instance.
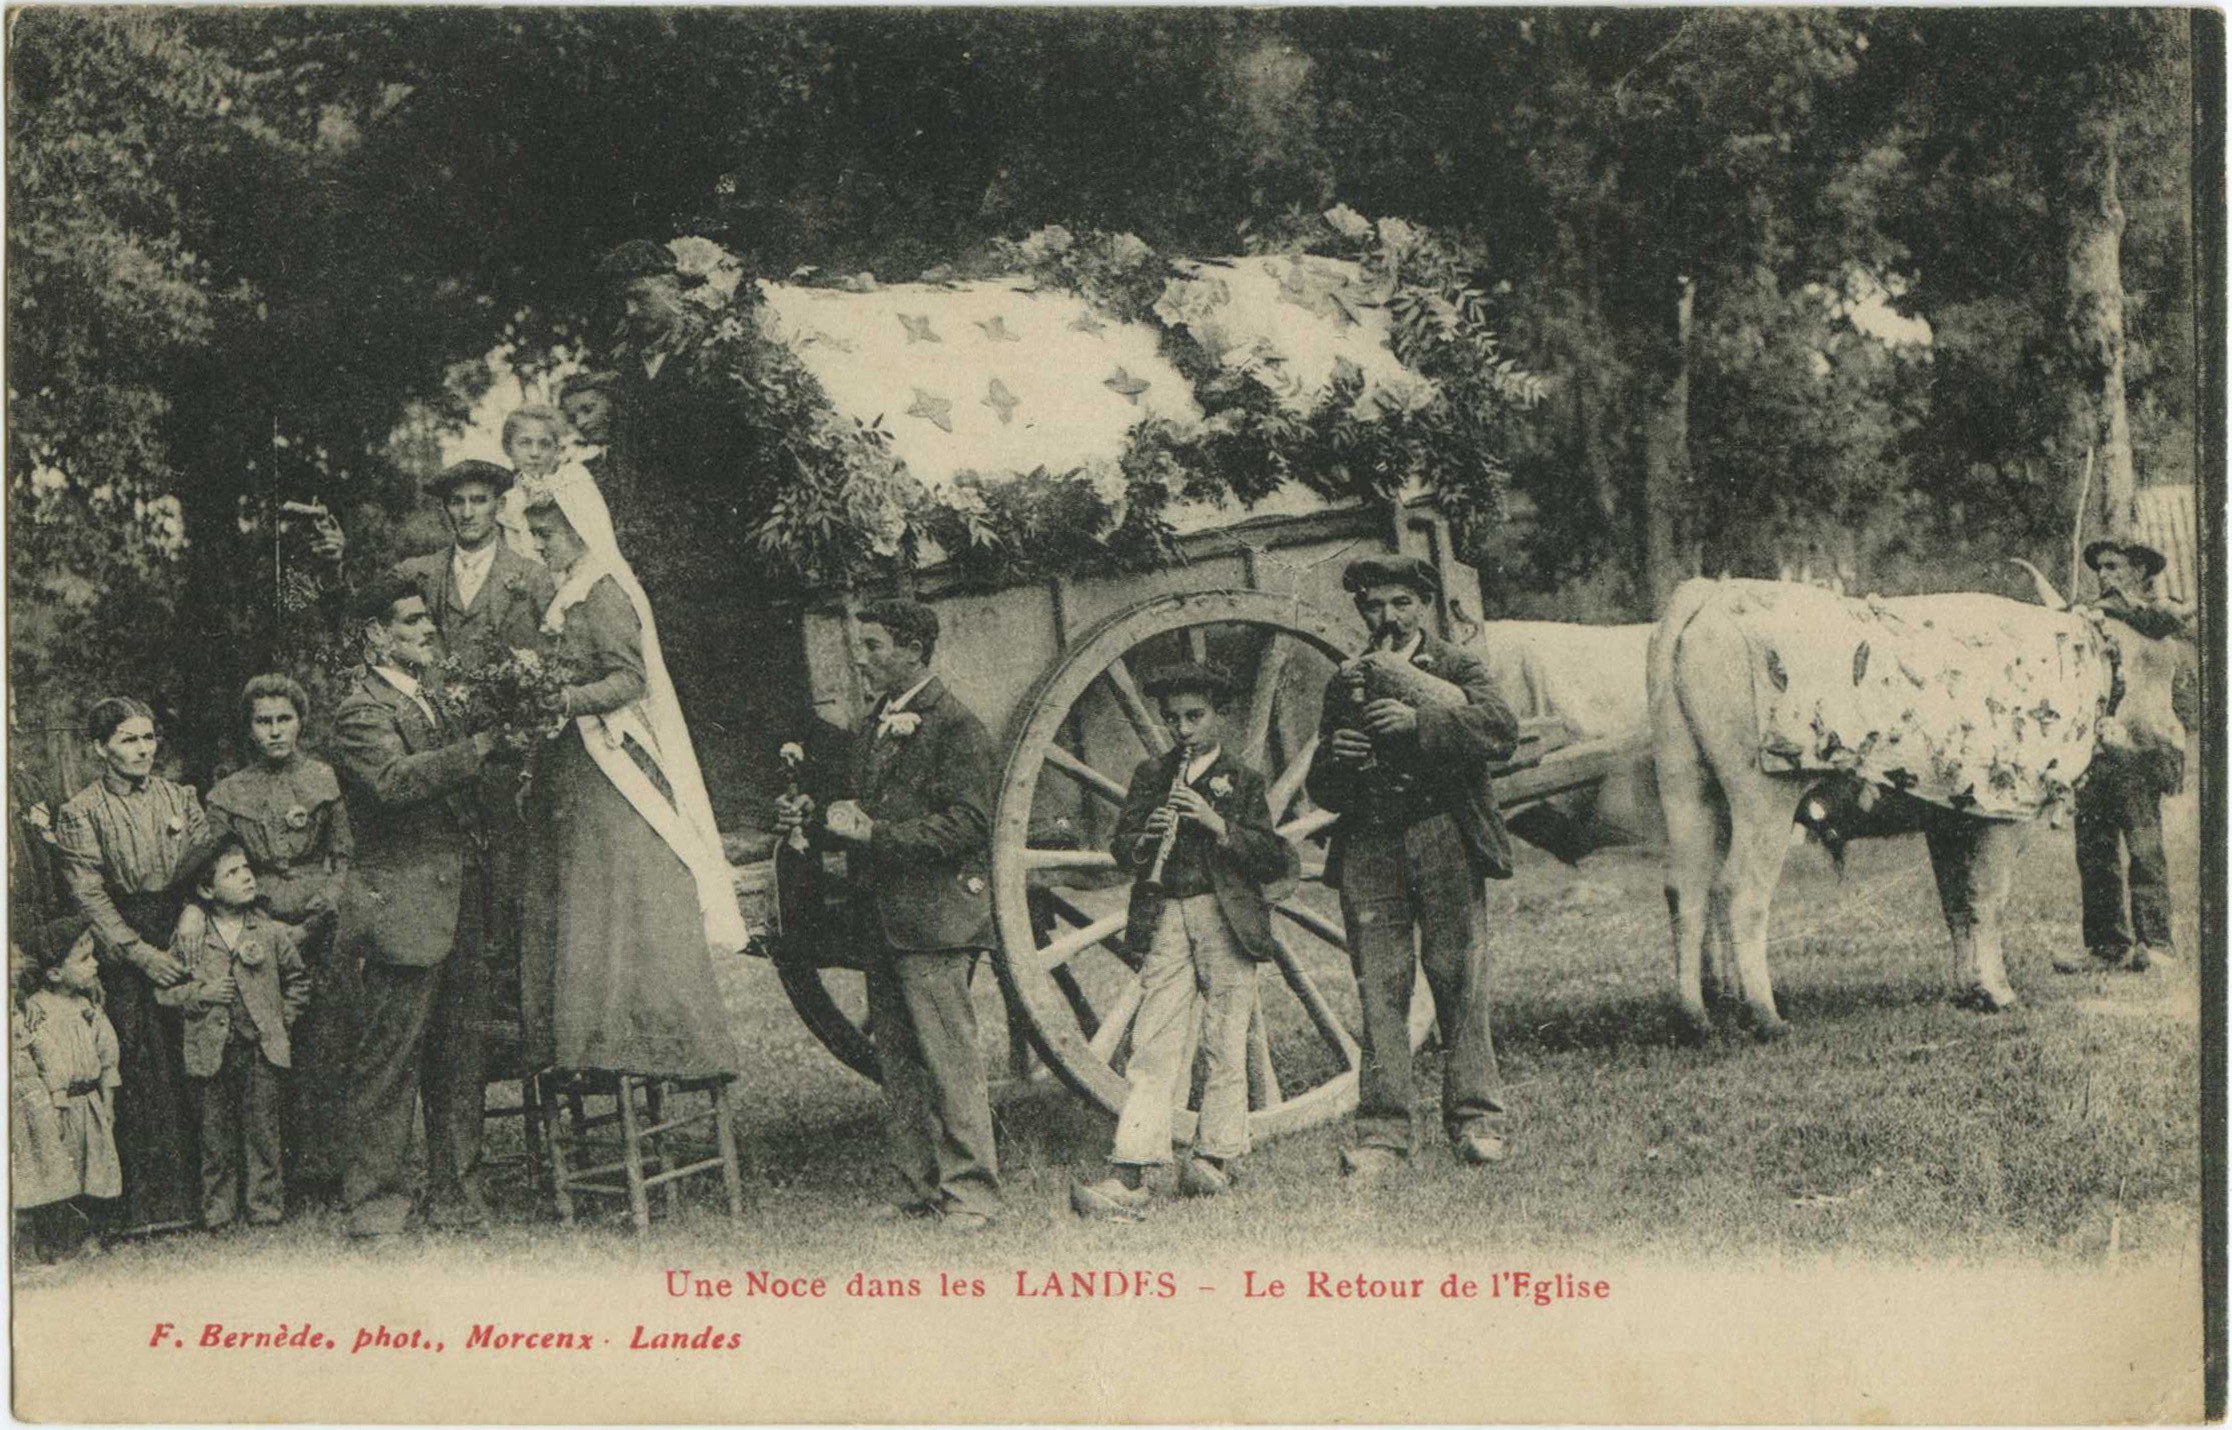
(1410, 899)
(925, 1031)
(419, 1042)
(2119, 814)
(1194, 968)
(240, 1141)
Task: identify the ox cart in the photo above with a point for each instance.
(1054, 667)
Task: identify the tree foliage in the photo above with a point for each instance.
(261, 254)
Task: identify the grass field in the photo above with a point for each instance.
(1892, 1126)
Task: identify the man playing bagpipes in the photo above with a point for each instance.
(1409, 732)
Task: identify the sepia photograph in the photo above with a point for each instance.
(1171, 715)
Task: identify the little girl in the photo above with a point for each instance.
(73, 1049)
(534, 439)
(38, 1171)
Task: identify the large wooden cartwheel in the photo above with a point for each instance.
(1058, 905)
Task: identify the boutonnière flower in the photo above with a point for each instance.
(298, 818)
(898, 723)
(176, 824)
(1221, 786)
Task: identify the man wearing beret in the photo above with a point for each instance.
(2119, 803)
(484, 597)
(1419, 832)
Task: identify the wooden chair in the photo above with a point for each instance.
(503, 1059)
(627, 1148)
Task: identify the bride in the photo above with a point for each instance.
(629, 895)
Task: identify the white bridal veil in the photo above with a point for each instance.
(654, 722)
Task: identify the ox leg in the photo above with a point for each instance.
(1694, 849)
(1974, 861)
(1758, 844)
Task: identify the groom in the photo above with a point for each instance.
(415, 911)
(484, 597)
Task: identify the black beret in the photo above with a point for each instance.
(637, 258)
(1369, 571)
(49, 941)
(200, 859)
(472, 469)
(1194, 675)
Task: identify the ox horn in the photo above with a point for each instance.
(2047, 595)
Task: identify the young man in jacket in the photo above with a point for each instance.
(916, 835)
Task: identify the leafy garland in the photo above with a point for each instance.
(833, 504)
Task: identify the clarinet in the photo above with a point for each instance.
(1170, 835)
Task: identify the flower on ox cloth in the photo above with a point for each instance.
(898, 723)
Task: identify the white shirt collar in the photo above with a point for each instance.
(404, 681)
(469, 569)
(899, 702)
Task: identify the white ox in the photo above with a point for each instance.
(1592, 678)
(1728, 818)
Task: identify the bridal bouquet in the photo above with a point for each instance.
(519, 696)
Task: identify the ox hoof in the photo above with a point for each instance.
(1986, 1000)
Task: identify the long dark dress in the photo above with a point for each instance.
(120, 845)
(296, 828)
(615, 972)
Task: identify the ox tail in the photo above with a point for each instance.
(1689, 598)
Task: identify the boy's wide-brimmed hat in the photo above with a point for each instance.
(2149, 561)
(1366, 572)
(200, 860)
(1197, 676)
(497, 479)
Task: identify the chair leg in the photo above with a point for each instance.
(724, 1132)
(639, 1200)
(661, 1160)
(531, 1130)
(556, 1138)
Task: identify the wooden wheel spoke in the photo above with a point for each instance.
(1061, 950)
(1197, 644)
(1068, 859)
(1119, 1021)
(1288, 785)
(1144, 722)
(1305, 990)
(1256, 734)
(1294, 831)
(1093, 780)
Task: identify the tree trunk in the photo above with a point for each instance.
(1667, 554)
(2097, 418)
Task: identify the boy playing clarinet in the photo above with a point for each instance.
(1196, 835)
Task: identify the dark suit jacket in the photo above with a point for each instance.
(1449, 760)
(923, 875)
(1252, 855)
(409, 788)
(506, 614)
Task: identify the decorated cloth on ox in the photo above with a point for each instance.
(1974, 702)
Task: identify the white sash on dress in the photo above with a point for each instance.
(655, 723)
